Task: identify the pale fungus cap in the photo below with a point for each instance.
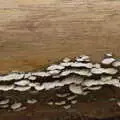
(3, 102)
(6, 87)
(83, 58)
(116, 64)
(67, 106)
(55, 67)
(66, 60)
(75, 89)
(16, 106)
(12, 76)
(41, 74)
(31, 101)
(108, 61)
(22, 83)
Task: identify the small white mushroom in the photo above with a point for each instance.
(21, 109)
(22, 83)
(62, 95)
(60, 103)
(66, 60)
(95, 88)
(67, 106)
(16, 106)
(105, 78)
(12, 76)
(83, 58)
(39, 87)
(108, 61)
(75, 89)
(97, 70)
(96, 65)
(108, 55)
(114, 82)
(66, 64)
(33, 92)
(112, 99)
(6, 87)
(116, 64)
(110, 71)
(56, 76)
(4, 106)
(55, 67)
(31, 101)
(69, 80)
(53, 72)
(41, 74)
(90, 83)
(71, 97)
(86, 65)
(32, 78)
(85, 93)
(50, 103)
(66, 72)
(50, 85)
(3, 102)
(74, 101)
(27, 75)
(26, 88)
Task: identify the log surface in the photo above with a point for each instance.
(35, 33)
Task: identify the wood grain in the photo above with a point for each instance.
(35, 33)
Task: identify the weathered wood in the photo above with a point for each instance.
(34, 33)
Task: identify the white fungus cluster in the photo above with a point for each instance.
(79, 75)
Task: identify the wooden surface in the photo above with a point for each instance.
(38, 32)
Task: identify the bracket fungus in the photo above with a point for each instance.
(72, 77)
